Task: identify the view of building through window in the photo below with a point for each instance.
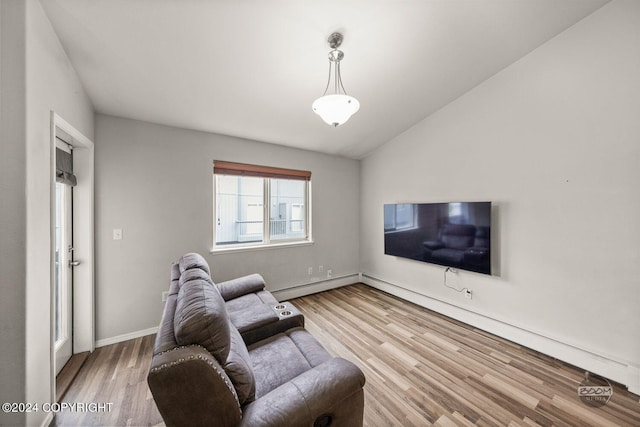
(240, 209)
(287, 213)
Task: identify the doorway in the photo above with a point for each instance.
(72, 245)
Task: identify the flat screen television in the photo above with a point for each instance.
(456, 234)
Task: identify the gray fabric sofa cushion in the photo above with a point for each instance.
(250, 300)
(239, 370)
(165, 338)
(193, 260)
(333, 388)
(253, 317)
(175, 277)
(309, 346)
(194, 274)
(241, 286)
(200, 318)
(279, 359)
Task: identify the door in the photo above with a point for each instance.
(63, 280)
(72, 320)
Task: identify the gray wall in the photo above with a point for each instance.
(13, 226)
(553, 141)
(37, 78)
(155, 183)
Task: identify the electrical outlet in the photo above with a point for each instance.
(117, 234)
(467, 293)
(165, 295)
(329, 274)
(310, 271)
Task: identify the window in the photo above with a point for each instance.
(459, 213)
(399, 217)
(246, 195)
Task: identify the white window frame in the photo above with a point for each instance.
(267, 243)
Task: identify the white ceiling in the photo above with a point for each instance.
(252, 68)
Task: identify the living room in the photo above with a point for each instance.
(551, 139)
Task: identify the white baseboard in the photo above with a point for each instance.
(606, 366)
(634, 384)
(126, 337)
(286, 294)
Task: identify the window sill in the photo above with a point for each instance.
(249, 248)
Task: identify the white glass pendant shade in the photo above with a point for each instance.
(335, 109)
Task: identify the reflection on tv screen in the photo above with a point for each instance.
(456, 234)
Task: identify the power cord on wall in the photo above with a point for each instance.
(451, 287)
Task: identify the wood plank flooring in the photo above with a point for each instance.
(115, 374)
(421, 368)
(68, 373)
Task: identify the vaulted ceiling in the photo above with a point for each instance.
(252, 68)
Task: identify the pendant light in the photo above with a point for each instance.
(337, 107)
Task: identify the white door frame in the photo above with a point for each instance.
(83, 233)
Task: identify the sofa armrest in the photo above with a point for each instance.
(189, 387)
(253, 317)
(332, 390)
(241, 286)
(287, 316)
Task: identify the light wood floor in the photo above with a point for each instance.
(421, 368)
(115, 374)
(424, 368)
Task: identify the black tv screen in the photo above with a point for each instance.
(456, 235)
